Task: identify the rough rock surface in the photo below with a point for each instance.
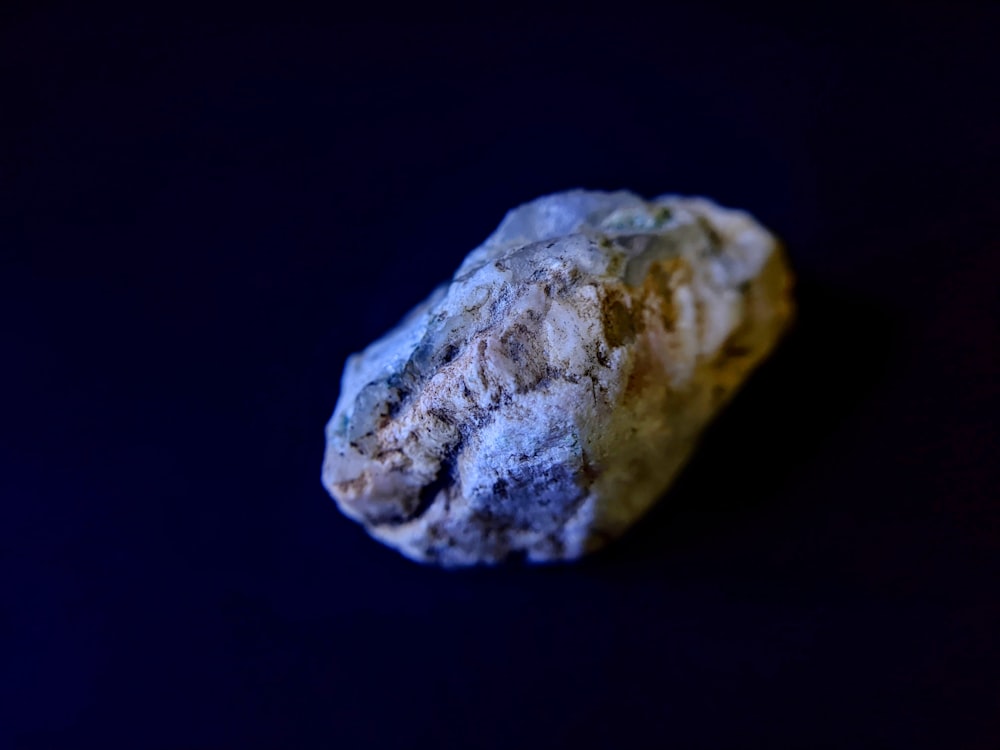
(544, 398)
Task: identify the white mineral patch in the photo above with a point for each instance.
(542, 400)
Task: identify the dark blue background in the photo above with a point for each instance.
(202, 220)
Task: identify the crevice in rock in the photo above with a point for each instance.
(443, 480)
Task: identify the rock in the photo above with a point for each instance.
(542, 400)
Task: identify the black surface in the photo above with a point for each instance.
(200, 222)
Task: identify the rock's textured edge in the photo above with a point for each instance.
(544, 398)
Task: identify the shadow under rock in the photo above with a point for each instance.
(835, 356)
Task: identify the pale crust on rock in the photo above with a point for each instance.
(541, 401)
